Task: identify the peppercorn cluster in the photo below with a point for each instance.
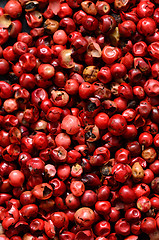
(79, 120)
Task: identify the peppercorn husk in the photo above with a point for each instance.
(89, 7)
(114, 37)
(31, 6)
(5, 21)
(51, 26)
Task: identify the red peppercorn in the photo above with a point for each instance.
(46, 71)
(90, 23)
(151, 87)
(65, 10)
(127, 28)
(28, 62)
(79, 120)
(103, 207)
(139, 49)
(102, 228)
(122, 227)
(121, 172)
(122, 156)
(110, 54)
(148, 225)
(44, 53)
(60, 220)
(107, 23)
(42, 191)
(117, 125)
(34, 19)
(72, 86)
(132, 215)
(126, 191)
(102, 7)
(155, 202)
(27, 198)
(77, 188)
(146, 26)
(16, 178)
(125, 91)
(142, 190)
(13, 8)
(60, 37)
(36, 225)
(27, 81)
(9, 54)
(74, 124)
(16, 28)
(145, 9)
(67, 234)
(4, 66)
(148, 176)
(84, 216)
(58, 186)
(72, 202)
(3, 35)
(143, 204)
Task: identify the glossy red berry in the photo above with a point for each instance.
(126, 191)
(122, 227)
(148, 225)
(13, 8)
(16, 178)
(84, 216)
(117, 125)
(4, 66)
(73, 126)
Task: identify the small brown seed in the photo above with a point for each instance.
(149, 154)
(90, 74)
(137, 172)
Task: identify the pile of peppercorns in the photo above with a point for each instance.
(79, 120)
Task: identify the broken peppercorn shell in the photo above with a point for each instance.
(31, 6)
(5, 21)
(91, 133)
(94, 50)
(121, 5)
(42, 191)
